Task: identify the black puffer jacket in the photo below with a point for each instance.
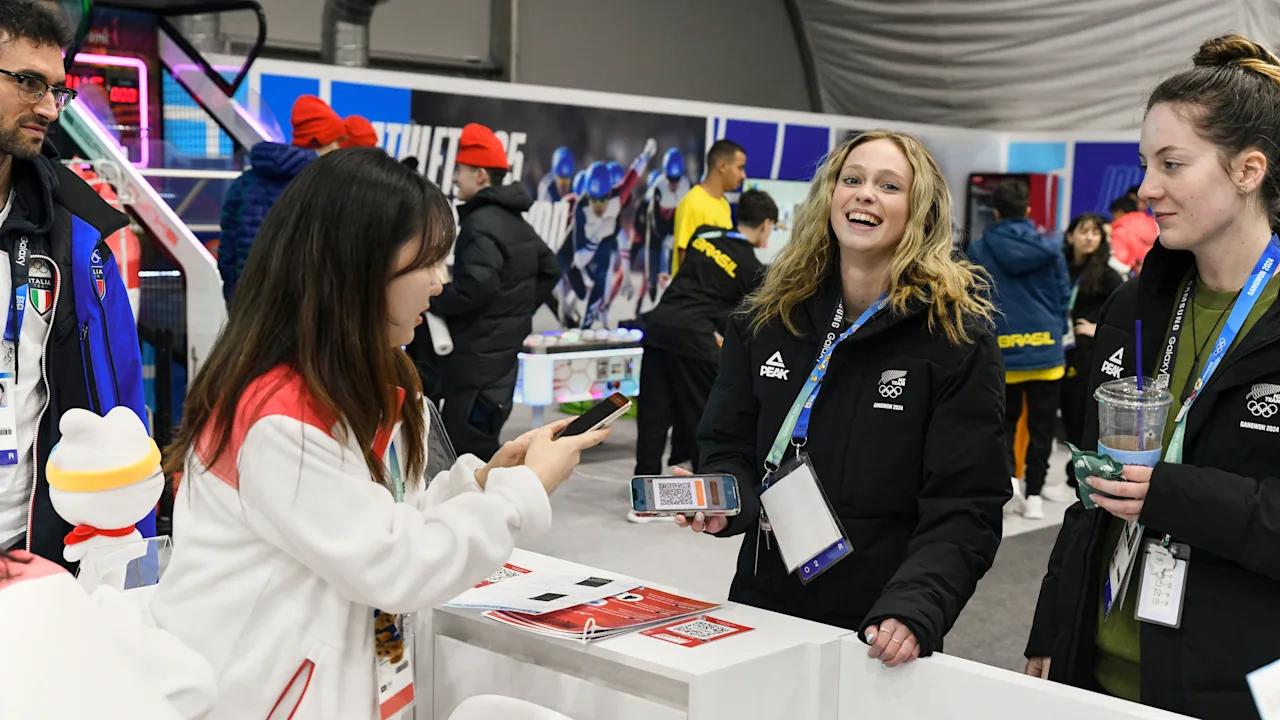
(1224, 502)
(907, 440)
(502, 272)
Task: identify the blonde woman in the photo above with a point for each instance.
(905, 437)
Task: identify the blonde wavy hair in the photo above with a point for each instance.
(922, 269)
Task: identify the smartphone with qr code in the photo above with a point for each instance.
(663, 495)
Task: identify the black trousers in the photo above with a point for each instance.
(1075, 406)
(474, 418)
(673, 393)
(1042, 413)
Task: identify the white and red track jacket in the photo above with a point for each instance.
(68, 654)
(283, 549)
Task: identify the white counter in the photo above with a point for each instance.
(942, 687)
(783, 668)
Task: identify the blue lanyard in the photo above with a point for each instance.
(397, 484)
(19, 275)
(795, 427)
(1262, 273)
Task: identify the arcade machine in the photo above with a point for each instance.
(113, 134)
(1045, 191)
(570, 366)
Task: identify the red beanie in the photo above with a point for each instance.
(315, 124)
(479, 147)
(360, 133)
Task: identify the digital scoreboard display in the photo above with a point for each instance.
(115, 88)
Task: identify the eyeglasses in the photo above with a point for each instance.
(32, 89)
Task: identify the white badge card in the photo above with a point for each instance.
(1164, 583)
(809, 536)
(1121, 567)
(1264, 683)
(8, 420)
(393, 652)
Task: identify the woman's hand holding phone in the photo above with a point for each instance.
(700, 522)
(553, 460)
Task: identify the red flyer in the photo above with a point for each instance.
(696, 631)
(503, 573)
(634, 610)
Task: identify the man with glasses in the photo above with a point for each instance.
(69, 335)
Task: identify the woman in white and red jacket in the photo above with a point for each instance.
(301, 432)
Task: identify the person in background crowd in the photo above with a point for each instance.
(906, 436)
(70, 340)
(502, 273)
(558, 184)
(683, 333)
(1210, 323)
(317, 130)
(359, 133)
(304, 512)
(1032, 292)
(1133, 233)
(705, 204)
(1092, 281)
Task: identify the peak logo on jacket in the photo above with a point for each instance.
(892, 383)
(1114, 365)
(774, 367)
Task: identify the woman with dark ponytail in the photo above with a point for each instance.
(1206, 519)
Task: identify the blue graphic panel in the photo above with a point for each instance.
(759, 140)
(377, 103)
(1036, 157)
(1102, 173)
(279, 92)
(803, 149)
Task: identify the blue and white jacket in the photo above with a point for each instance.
(91, 358)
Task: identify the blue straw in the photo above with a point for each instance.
(1137, 331)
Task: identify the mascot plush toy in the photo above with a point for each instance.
(104, 477)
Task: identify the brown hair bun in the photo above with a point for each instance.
(1239, 51)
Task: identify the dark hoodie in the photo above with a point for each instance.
(1031, 290)
(250, 197)
(502, 272)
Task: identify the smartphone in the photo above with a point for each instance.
(657, 495)
(601, 415)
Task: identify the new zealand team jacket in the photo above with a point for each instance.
(1223, 501)
(907, 440)
(91, 356)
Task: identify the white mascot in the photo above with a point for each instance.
(104, 478)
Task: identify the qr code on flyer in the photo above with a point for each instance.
(699, 631)
(702, 630)
(505, 572)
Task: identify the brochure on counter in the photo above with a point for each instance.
(637, 609)
(514, 589)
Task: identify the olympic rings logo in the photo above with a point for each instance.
(893, 391)
(1262, 409)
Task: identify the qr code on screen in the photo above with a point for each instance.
(702, 630)
(674, 494)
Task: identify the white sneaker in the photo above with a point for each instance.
(1059, 493)
(1016, 503)
(642, 519)
(1034, 509)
